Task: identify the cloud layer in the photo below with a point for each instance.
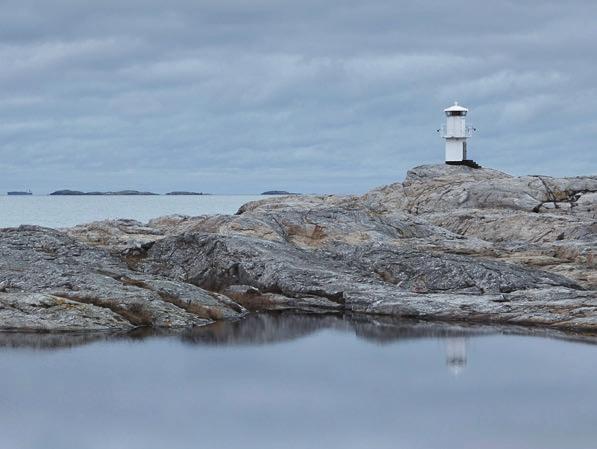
(243, 96)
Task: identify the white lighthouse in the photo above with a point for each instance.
(456, 132)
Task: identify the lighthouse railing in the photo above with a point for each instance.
(468, 132)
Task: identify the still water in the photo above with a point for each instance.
(64, 211)
(299, 381)
(285, 381)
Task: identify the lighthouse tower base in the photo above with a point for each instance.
(467, 162)
(456, 153)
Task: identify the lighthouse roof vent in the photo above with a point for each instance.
(456, 108)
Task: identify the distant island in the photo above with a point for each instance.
(20, 193)
(120, 192)
(187, 193)
(278, 192)
(67, 192)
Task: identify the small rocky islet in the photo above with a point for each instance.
(67, 192)
(450, 243)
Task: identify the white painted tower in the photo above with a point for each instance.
(456, 132)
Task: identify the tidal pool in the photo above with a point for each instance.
(299, 381)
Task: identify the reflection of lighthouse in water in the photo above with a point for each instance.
(456, 354)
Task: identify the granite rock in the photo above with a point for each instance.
(450, 243)
(53, 282)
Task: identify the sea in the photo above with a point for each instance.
(65, 211)
(277, 381)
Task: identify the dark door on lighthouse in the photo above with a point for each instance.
(464, 158)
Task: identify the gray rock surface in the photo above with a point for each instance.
(407, 249)
(450, 243)
(39, 311)
(49, 281)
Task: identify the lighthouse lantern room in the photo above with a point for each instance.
(456, 132)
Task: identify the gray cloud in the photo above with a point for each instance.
(242, 96)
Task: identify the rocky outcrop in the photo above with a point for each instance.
(39, 311)
(437, 188)
(49, 281)
(449, 243)
(390, 252)
(116, 235)
(538, 221)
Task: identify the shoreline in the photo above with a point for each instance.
(376, 328)
(449, 244)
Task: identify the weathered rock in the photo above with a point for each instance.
(507, 226)
(379, 280)
(84, 281)
(535, 220)
(438, 188)
(450, 243)
(39, 311)
(255, 300)
(369, 254)
(115, 234)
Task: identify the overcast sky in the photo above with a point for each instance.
(310, 96)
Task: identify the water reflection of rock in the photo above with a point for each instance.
(271, 328)
(264, 328)
(63, 340)
(43, 341)
(268, 328)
